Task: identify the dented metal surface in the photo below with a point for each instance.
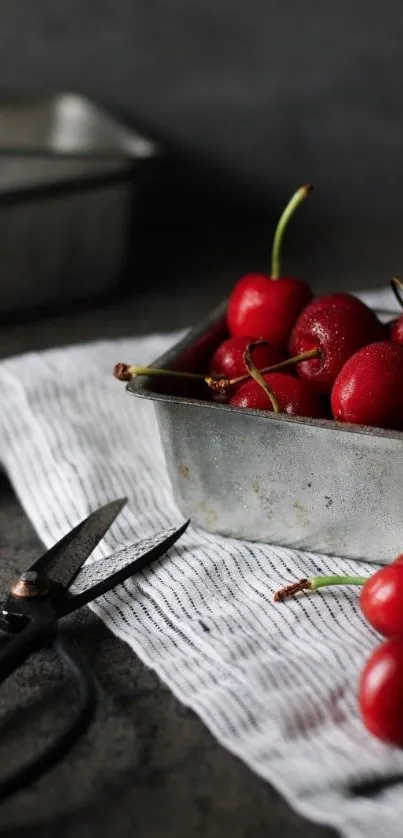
(310, 484)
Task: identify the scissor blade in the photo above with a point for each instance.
(103, 575)
(63, 561)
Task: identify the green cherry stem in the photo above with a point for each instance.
(315, 583)
(289, 210)
(257, 375)
(125, 372)
(304, 356)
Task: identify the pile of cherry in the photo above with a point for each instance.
(328, 357)
(380, 694)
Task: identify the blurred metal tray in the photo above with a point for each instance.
(311, 484)
(68, 175)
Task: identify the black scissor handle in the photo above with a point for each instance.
(19, 650)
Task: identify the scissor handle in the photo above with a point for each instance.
(84, 713)
(17, 650)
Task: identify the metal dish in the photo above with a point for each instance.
(67, 185)
(311, 484)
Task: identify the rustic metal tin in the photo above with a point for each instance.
(311, 484)
(69, 177)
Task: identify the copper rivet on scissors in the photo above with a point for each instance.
(30, 585)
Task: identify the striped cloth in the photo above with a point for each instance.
(275, 684)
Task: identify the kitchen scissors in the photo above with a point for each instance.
(43, 595)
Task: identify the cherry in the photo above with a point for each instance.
(228, 359)
(381, 692)
(381, 600)
(368, 389)
(294, 396)
(345, 302)
(338, 332)
(264, 306)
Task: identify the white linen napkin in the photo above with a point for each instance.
(275, 684)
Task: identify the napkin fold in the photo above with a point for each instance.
(274, 683)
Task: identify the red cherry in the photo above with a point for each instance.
(396, 330)
(228, 359)
(268, 306)
(264, 307)
(338, 333)
(346, 302)
(381, 692)
(368, 390)
(294, 396)
(381, 600)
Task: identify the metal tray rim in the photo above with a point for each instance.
(140, 388)
(130, 144)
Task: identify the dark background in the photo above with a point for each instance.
(274, 92)
(282, 90)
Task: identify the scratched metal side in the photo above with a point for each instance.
(316, 485)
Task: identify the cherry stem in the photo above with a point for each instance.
(257, 375)
(289, 210)
(125, 372)
(397, 287)
(304, 356)
(315, 583)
